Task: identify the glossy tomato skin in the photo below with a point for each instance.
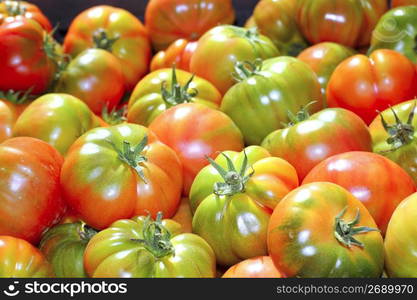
(9, 113)
(397, 30)
(12, 9)
(258, 267)
(220, 48)
(146, 101)
(276, 20)
(184, 215)
(235, 225)
(195, 131)
(116, 252)
(94, 76)
(58, 119)
(349, 23)
(127, 39)
(324, 134)
(169, 20)
(301, 239)
(376, 181)
(29, 185)
(64, 245)
(323, 58)
(396, 3)
(260, 103)
(20, 259)
(109, 188)
(400, 241)
(179, 53)
(365, 85)
(23, 57)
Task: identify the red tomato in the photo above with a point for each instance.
(169, 20)
(258, 267)
(11, 9)
(195, 131)
(397, 3)
(356, 171)
(178, 53)
(30, 196)
(366, 84)
(24, 58)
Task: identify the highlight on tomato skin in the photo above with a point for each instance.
(258, 267)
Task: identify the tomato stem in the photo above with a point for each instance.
(103, 41)
(246, 69)
(302, 115)
(114, 116)
(15, 8)
(178, 94)
(18, 97)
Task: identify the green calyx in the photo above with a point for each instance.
(400, 133)
(252, 34)
(345, 231)
(85, 232)
(15, 8)
(177, 94)
(234, 181)
(156, 238)
(114, 116)
(302, 115)
(101, 40)
(14, 97)
(246, 69)
(133, 156)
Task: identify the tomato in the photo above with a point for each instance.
(233, 199)
(322, 230)
(169, 20)
(25, 56)
(12, 9)
(267, 93)
(179, 53)
(124, 171)
(166, 88)
(144, 248)
(396, 138)
(115, 30)
(29, 188)
(19, 259)
(64, 245)
(323, 58)
(349, 23)
(258, 267)
(366, 84)
(58, 119)
(184, 215)
(220, 48)
(276, 20)
(195, 131)
(396, 3)
(397, 30)
(96, 77)
(356, 171)
(400, 240)
(308, 140)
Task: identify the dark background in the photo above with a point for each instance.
(61, 12)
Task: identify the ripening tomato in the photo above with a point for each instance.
(400, 240)
(26, 56)
(233, 199)
(12, 9)
(276, 20)
(30, 195)
(267, 93)
(349, 23)
(64, 245)
(258, 267)
(365, 85)
(196, 131)
(169, 20)
(396, 3)
(58, 119)
(220, 48)
(165, 88)
(142, 248)
(394, 136)
(19, 259)
(322, 230)
(184, 215)
(323, 58)
(118, 172)
(356, 171)
(94, 76)
(308, 140)
(179, 53)
(115, 30)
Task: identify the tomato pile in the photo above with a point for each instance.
(188, 146)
